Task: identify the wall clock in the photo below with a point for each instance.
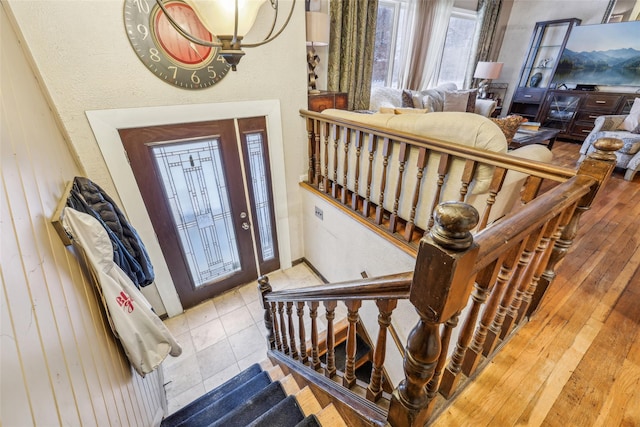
(165, 52)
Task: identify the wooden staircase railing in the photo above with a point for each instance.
(481, 287)
(392, 181)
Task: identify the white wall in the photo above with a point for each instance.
(85, 61)
(522, 19)
(59, 362)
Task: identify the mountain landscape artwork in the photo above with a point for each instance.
(603, 55)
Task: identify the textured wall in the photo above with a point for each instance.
(59, 361)
(86, 62)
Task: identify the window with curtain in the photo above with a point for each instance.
(457, 47)
(394, 38)
(392, 41)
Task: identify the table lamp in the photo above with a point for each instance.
(487, 71)
(317, 35)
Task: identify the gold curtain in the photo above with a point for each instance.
(488, 14)
(351, 46)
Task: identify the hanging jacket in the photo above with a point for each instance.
(145, 339)
(129, 252)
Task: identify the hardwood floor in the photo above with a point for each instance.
(577, 362)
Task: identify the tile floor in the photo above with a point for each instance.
(222, 337)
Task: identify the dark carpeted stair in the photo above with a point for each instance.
(248, 399)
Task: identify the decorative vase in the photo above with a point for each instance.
(535, 80)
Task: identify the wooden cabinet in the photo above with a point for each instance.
(547, 43)
(574, 112)
(323, 100)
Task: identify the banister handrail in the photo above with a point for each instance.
(541, 169)
(394, 286)
(502, 235)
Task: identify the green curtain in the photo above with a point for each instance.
(352, 38)
(488, 14)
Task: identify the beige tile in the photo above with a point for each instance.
(215, 358)
(221, 377)
(250, 292)
(201, 314)
(248, 341)
(181, 376)
(255, 357)
(186, 343)
(257, 311)
(205, 335)
(236, 320)
(177, 325)
(186, 397)
(228, 302)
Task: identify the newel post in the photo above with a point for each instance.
(264, 287)
(441, 286)
(599, 165)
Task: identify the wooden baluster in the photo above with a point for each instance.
(350, 363)
(366, 205)
(276, 326)
(292, 332)
(530, 189)
(541, 285)
(443, 264)
(325, 178)
(336, 140)
(264, 287)
(385, 308)
(345, 167)
(402, 159)
(421, 163)
(317, 154)
(315, 353)
(540, 260)
(386, 147)
(524, 279)
(479, 295)
(304, 358)
(283, 328)
(434, 384)
(494, 188)
(467, 175)
(599, 165)
(355, 199)
(330, 368)
(493, 333)
(473, 354)
(311, 147)
(443, 167)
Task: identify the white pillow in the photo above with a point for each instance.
(632, 121)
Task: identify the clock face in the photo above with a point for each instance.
(165, 52)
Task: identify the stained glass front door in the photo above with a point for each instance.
(191, 178)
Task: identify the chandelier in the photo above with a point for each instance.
(229, 21)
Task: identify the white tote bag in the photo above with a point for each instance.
(146, 340)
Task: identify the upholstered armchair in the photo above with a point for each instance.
(628, 156)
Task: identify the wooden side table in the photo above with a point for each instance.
(324, 99)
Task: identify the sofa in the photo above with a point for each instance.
(611, 126)
(445, 97)
(461, 128)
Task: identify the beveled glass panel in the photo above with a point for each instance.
(259, 183)
(196, 189)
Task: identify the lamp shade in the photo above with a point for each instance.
(218, 16)
(317, 28)
(488, 70)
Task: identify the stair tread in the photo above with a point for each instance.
(329, 416)
(285, 413)
(178, 417)
(310, 421)
(251, 408)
